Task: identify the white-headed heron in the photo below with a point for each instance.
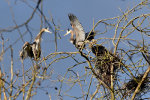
(78, 31)
(33, 50)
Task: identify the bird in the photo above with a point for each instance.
(78, 31)
(36, 46)
(33, 50)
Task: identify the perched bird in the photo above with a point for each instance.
(36, 46)
(78, 31)
(33, 50)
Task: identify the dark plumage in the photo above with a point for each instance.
(36, 48)
(89, 36)
(26, 51)
(98, 50)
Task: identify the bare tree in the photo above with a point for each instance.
(108, 68)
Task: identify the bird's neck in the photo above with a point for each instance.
(38, 37)
(72, 35)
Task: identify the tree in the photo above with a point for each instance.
(97, 72)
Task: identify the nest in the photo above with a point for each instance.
(104, 61)
(132, 84)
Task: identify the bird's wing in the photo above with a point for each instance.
(24, 53)
(77, 27)
(34, 50)
(89, 36)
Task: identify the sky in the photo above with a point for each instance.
(85, 10)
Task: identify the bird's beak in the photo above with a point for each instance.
(66, 33)
(47, 30)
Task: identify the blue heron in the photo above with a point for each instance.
(33, 50)
(78, 31)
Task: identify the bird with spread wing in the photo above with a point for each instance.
(80, 35)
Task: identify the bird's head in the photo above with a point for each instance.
(68, 32)
(46, 30)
